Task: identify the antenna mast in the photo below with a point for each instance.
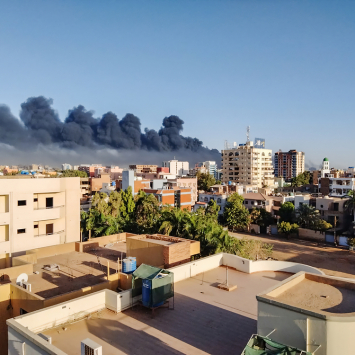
(248, 133)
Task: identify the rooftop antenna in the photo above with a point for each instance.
(248, 133)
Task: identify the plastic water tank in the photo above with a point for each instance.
(133, 262)
(113, 183)
(126, 266)
(229, 182)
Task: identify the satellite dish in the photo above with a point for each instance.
(21, 278)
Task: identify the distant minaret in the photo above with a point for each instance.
(325, 167)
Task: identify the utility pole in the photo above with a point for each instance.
(335, 233)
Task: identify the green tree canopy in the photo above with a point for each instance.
(287, 228)
(301, 179)
(307, 216)
(205, 181)
(287, 212)
(261, 217)
(127, 206)
(74, 173)
(212, 209)
(235, 215)
(147, 212)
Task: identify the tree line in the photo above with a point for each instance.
(142, 214)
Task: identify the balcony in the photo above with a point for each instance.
(49, 234)
(46, 213)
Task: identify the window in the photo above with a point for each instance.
(21, 203)
(321, 206)
(219, 200)
(21, 231)
(336, 206)
(35, 199)
(49, 202)
(246, 202)
(35, 226)
(49, 228)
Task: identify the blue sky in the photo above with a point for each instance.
(286, 68)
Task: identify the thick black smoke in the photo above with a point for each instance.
(42, 126)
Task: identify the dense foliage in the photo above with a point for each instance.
(74, 173)
(304, 178)
(205, 181)
(120, 212)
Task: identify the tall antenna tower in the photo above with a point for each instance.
(248, 133)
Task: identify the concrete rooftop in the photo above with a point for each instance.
(315, 293)
(206, 320)
(77, 270)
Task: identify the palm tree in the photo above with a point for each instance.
(307, 216)
(349, 204)
(173, 221)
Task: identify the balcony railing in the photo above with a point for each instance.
(45, 234)
(47, 208)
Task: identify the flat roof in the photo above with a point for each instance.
(77, 270)
(206, 319)
(319, 295)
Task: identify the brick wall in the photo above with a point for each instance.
(176, 254)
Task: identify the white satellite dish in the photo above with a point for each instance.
(21, 278)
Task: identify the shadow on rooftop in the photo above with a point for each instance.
(65, 283)
(209, 328)
(128, 339)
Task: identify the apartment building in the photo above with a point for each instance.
(248, 165)
(36, 213)
(176, 197)
(176, 167)
(144, 168)
(65, 166)
(89, 169)
(289, 164)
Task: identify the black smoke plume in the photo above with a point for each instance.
(41, 126)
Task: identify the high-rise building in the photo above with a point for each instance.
(247, 164)
(66, 166)
(289, 164)
(176, 167)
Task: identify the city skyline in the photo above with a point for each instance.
(218, 66)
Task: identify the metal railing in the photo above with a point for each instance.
(42, 235)
(47, 208)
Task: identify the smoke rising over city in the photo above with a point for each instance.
(41, 130)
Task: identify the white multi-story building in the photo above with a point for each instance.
(66, 166)
(179, 168)
(248, 165)
(36, 213)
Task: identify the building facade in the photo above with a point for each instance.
(36, 213)
(176, 167)
(248, 165)
(289, 164)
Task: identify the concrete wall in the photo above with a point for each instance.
(23, 329)
(309, 234)
(175, 254)
(292, 328)
(145, 251)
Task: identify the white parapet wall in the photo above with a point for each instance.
(198, 266)
(24, 329)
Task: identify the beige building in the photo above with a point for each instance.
(248, 165)
(36, 213)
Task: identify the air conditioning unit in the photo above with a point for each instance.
(89, 347)
(26, 286)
